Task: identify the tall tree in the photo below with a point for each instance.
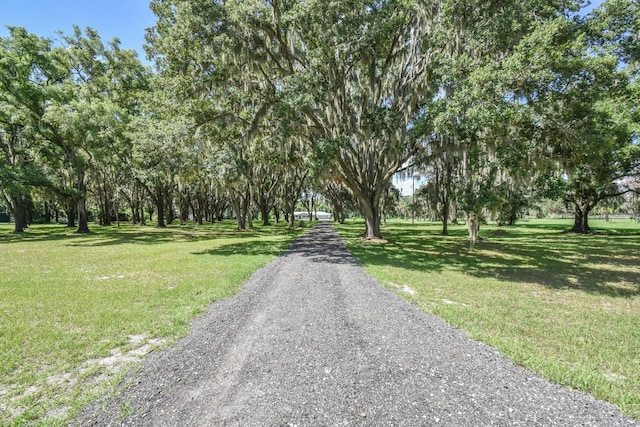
(354, 72)
(19, 168)
(72, 96)
(161, 136)
(476, 103)
(27, 71)
(581, 130)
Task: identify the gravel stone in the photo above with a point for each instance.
(312, 340)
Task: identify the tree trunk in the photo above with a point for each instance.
(371, 214)
(106, 213)
(264, 212)
(184, 205)
(373, 225)
(246, 207)
(370, 207)
(105, 204)
(17, 209)
(184, 214)
(160, 204)
(71, 214)
(83, 215)
(47, 213)
(292, 217)
(445, 219)
(168, 213)
(135, 212)
(581, 218)
(240, 217)
(250, 219)
(315, 209)
(473, 223)
(199, 208)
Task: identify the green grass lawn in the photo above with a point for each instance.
(78, 311)
(563, 305)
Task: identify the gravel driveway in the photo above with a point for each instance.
(313, 340)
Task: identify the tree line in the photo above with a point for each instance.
(254, 103)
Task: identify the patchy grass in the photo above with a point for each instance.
(563, 305)
(77, 310)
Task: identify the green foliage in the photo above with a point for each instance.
(248, 92)
(72, 101)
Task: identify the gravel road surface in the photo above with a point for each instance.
(313, 340)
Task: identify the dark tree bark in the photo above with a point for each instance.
(18, 209)
(169, 214)
(445, 218)
(370, 207)
(71, 214)
(240, 215)
(264, 214)
(276, 214)
(160, 204)
(104, 203)
(371, 214)
(83, 215)
(47, 213)
(581, 218)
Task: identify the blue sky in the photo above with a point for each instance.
(125, 19)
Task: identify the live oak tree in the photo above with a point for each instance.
(579, 115)
(20, 170)
(367, 64)
(161, 135)
(354, 71)
(466, 118)
(199, 58)
(256, 102)
(615, 28)
(123, 85)
(522, 89)
(26, 72)
(72, 96)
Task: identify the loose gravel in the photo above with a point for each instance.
(313, 340)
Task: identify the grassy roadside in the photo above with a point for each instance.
(76, 311)
(562, 305)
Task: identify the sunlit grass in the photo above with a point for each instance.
(77, 309)
(563, 305)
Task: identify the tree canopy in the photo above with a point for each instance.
(254, 103)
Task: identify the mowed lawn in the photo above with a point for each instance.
(78, 311)
(565, 306)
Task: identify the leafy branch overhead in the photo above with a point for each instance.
(253, 104)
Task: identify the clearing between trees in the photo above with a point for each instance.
(312, 339)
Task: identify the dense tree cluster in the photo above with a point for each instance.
(255, 105)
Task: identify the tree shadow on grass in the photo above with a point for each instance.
(606, 265)
(251, 247)
(130, 234)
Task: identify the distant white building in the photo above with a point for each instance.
(304, 215)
